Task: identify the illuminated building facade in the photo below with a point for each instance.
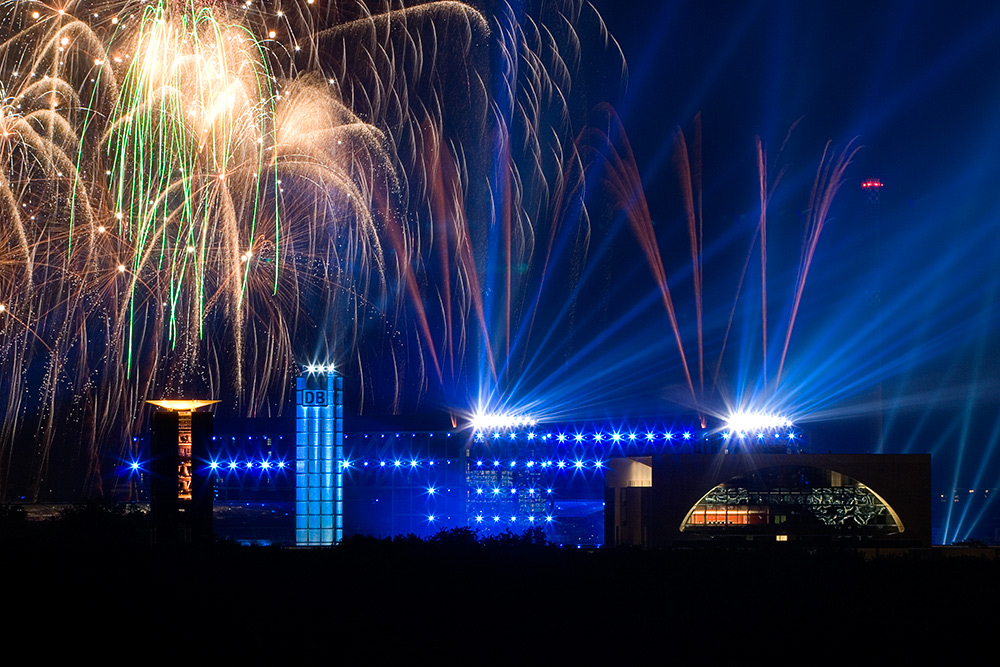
(398, 476)
(511, 476)
(862, 498)
(319, 457)
(180, 482)
(254, 460)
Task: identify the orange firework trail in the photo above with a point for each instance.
(198, 197)
(690, 179)
(622, 178)
(829, 178)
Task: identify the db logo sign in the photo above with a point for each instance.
(313, 397)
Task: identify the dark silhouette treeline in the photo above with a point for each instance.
(90, 578)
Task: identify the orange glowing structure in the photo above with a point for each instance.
(180, 481)
(184, 408)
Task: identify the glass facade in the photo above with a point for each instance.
(794, 499)
(319, 458)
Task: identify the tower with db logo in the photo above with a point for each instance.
(319, 456)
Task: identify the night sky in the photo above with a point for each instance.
(899, 307)
(884, 341)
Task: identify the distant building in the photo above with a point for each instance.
(509, 476)
(669, 499)
(964, 514)
(180, 482)
(582, 483)
(319, 457)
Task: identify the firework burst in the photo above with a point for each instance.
(196, 197)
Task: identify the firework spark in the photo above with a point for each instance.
(198, 196)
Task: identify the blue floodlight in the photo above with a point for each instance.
(743, 422)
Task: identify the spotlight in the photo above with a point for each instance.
(744, 422)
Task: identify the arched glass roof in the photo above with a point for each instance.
(792, 500)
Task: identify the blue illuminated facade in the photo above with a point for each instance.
(546, 476)
(397, 476)
(319, 457)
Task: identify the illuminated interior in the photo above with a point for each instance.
(798, 499)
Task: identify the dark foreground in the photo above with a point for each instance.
(88, 586)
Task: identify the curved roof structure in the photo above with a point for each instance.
(792, 498)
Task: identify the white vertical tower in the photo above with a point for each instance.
(319, 457)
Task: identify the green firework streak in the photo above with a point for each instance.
(190, 152)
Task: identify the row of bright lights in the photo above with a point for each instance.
(751, 422)
(501, 421)
(496, 518)
(599, 436)
(264, 464)
(233, 465)
(739, 422)
(416, 463)
(411, 463)
(267, 464)
(495, 492)
(513, 519)
(618, 437)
